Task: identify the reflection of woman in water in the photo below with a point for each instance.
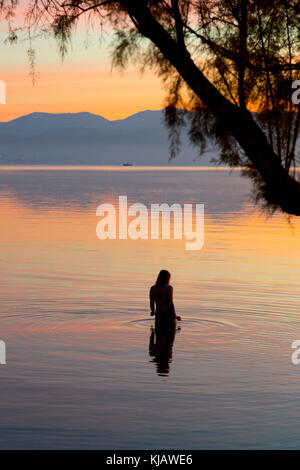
(161, 301)
(160, 348)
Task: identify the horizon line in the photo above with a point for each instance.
(39, 166)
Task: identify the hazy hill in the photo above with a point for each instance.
(85, 138)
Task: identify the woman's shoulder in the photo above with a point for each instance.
(167, 287)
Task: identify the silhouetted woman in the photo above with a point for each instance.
(161, 301)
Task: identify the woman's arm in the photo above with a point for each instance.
(152, 305)
(171, 303)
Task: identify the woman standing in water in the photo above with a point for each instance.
(161, 300)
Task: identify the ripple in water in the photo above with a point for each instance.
(191, 324)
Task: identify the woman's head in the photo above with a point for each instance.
(163, 278)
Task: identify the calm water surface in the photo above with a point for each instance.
(75, 317)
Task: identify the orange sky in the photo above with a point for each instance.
(83, 82)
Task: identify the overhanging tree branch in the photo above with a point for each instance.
(239, 122)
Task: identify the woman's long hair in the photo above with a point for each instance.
(163, 278)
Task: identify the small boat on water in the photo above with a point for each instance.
(127, 164)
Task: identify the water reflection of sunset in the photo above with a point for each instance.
(75, 310)
(249, 229)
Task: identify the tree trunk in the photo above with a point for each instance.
(279, 187)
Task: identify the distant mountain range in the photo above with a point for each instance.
(89, 139)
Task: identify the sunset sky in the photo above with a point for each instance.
(83, 82)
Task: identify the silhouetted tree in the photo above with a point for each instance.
(228, 67)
